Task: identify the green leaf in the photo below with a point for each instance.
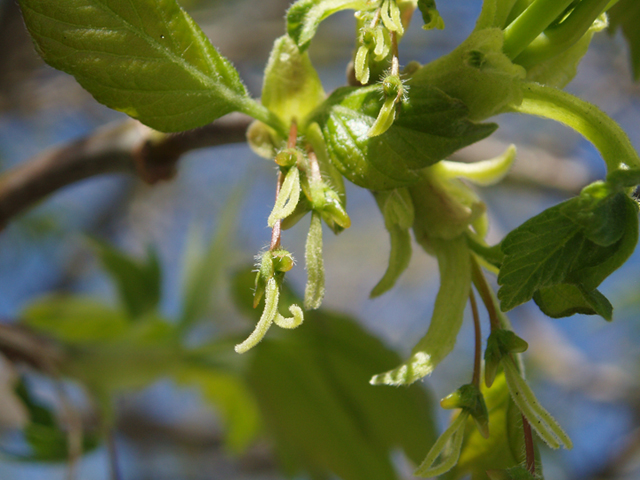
(515, 473)
(138, 283)
(231, 396)
(580, 241)
(565, 300)
(428, 127)
(146, 352)
(76, 320)
(313, 391)
(291, 86)
(626, 15)
(454, 265)
(540, 420)
(203, 265)
(430, 15)
(146, 58)
(47, 440)
(304, 16)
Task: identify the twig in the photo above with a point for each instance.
(477, 358)
(128, 147)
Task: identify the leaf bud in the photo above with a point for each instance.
(392, 87)
(333, 210)
(500, 343)
(469, 398)
(288, 157)
(282, 260)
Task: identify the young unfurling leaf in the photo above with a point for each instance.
(304, 16)
(291, 86)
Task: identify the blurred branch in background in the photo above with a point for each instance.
(127, 147)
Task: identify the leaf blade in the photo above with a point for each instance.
(176, 80)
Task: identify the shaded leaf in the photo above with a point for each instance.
(234, 402)
(147, 58)
(138, 282)
(565, 300)
(75, 319)
(47, 441)
(622, 178)
(312, 387)
(580, 241)
(505, 446)
(626, 15)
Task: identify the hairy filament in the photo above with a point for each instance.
(447, 446)
(539, 419)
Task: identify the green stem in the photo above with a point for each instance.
(595, 125)
(263, 114)
(531, 23)
(559, 38)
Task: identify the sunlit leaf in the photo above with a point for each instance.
(291, 86)
(148, 59)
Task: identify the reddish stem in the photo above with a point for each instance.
(276, 232)
(293, 135)
(528, 445)
(485, 293)
(478, 340)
